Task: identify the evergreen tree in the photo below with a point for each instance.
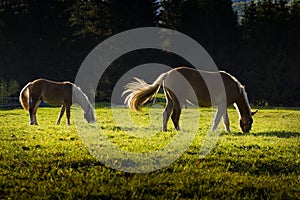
(33, 29)
(269, 40)
(91, 19)
(212, 23)
(170, 13)
(128, 14)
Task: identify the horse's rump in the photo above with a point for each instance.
(24, 97)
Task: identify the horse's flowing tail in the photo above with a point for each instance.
(24, 97)
(140, 92)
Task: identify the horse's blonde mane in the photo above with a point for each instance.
(240, 86)
(241, 90)
(246, 98)
(80, 97)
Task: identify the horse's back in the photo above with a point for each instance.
(187, 83)
(198, 80)
(52, 92)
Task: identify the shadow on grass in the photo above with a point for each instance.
(74, 164)
(279, 134)
(262, 166)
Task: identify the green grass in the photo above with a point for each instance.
(50, 161)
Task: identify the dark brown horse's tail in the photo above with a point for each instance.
(24, 97)
(140, 92)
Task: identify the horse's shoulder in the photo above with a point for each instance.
(68, 84)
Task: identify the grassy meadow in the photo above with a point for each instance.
(51, 162)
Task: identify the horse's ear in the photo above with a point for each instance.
(253, 113)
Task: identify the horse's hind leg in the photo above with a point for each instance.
(61, 113)
(33, 106)
(226, 121)
(35, 110)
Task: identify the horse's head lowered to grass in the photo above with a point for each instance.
(247, 125)
(89, 115)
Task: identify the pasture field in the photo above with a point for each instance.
(51, 162)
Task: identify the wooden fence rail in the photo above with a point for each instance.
(9, 102)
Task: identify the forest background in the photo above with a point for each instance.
(258, 42)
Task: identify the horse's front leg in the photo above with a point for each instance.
(226, 121)
(166, 114)
(61, 113)
(176, 114)
(220, 112)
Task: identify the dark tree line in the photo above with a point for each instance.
(270, 51)
(50, 38)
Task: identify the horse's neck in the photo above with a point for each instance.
(80, 99)
(243, 106)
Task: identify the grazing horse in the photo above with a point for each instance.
(56, 93)
(179, 83)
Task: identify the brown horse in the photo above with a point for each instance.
(56, 93)
(184, 84)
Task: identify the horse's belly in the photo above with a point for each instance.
(52, 99)
(203, 102)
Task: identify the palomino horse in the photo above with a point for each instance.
(177, 93)
(56, 93)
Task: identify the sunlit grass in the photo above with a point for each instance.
(50, 161)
